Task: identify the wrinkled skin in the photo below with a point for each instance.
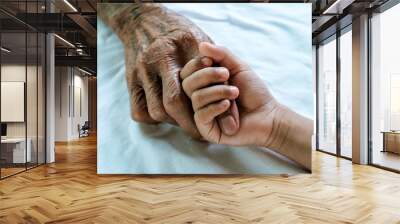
(158, 43)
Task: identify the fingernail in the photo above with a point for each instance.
(225, 103)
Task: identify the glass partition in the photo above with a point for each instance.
(327, 96)
(23, 89)
(346, 93)
(385, 89)
(14, 153)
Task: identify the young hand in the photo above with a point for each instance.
(263, 121)
(211, 98)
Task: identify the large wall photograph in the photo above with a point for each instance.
(204, 88)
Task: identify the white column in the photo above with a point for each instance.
(50, 92)
(50, 99)
(360, 90)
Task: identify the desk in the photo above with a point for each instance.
(391, 141)
(13, 150)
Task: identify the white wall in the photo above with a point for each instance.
(33, 127)
(15, 72)
(70, 83)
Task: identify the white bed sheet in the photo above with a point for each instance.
(273, 38)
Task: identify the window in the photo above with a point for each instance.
(327, 96)
(385, 89)
(346, 92)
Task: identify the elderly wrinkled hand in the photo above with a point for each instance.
(157, 43)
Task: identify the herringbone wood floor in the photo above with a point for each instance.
(70, 191)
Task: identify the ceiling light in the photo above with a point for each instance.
(65, 41)
(84, 71)
(70, 5)
(338, 6)
(5, 50)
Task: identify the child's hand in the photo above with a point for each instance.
(197, 74)
(263, 121)
(203, 75)
(211, 98)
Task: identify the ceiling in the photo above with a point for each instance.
(75, 22)
(72, 20)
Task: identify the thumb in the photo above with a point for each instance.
(222, 56)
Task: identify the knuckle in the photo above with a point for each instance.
(174, 100)
(185, 35)
(158, 114)
(196, 98)
(137, 115)
(160, 49)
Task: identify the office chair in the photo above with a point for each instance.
(84, 130)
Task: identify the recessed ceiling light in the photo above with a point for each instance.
(65, 41)
(5, 50)
(70, 5)
(337, 7)
(84, 71)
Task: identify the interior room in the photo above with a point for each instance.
(48, 150)
(22, 102)
(28, 56)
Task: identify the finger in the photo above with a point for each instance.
(188, 42)
(222, 56)
(207, 114)
(137, 97)
(211, 94)
(229, 120)
(194, 65)
(203, 78)
(176, 103)
(138, 102)
(153, 91)
(162, 57)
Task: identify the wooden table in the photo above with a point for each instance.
(391, 141)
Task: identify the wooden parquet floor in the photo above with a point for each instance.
(70, 191)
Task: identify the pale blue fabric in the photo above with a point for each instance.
(275, 39)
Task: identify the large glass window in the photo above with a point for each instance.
(385, 87)
(22, 90)
(327, 96)
(346, 92)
